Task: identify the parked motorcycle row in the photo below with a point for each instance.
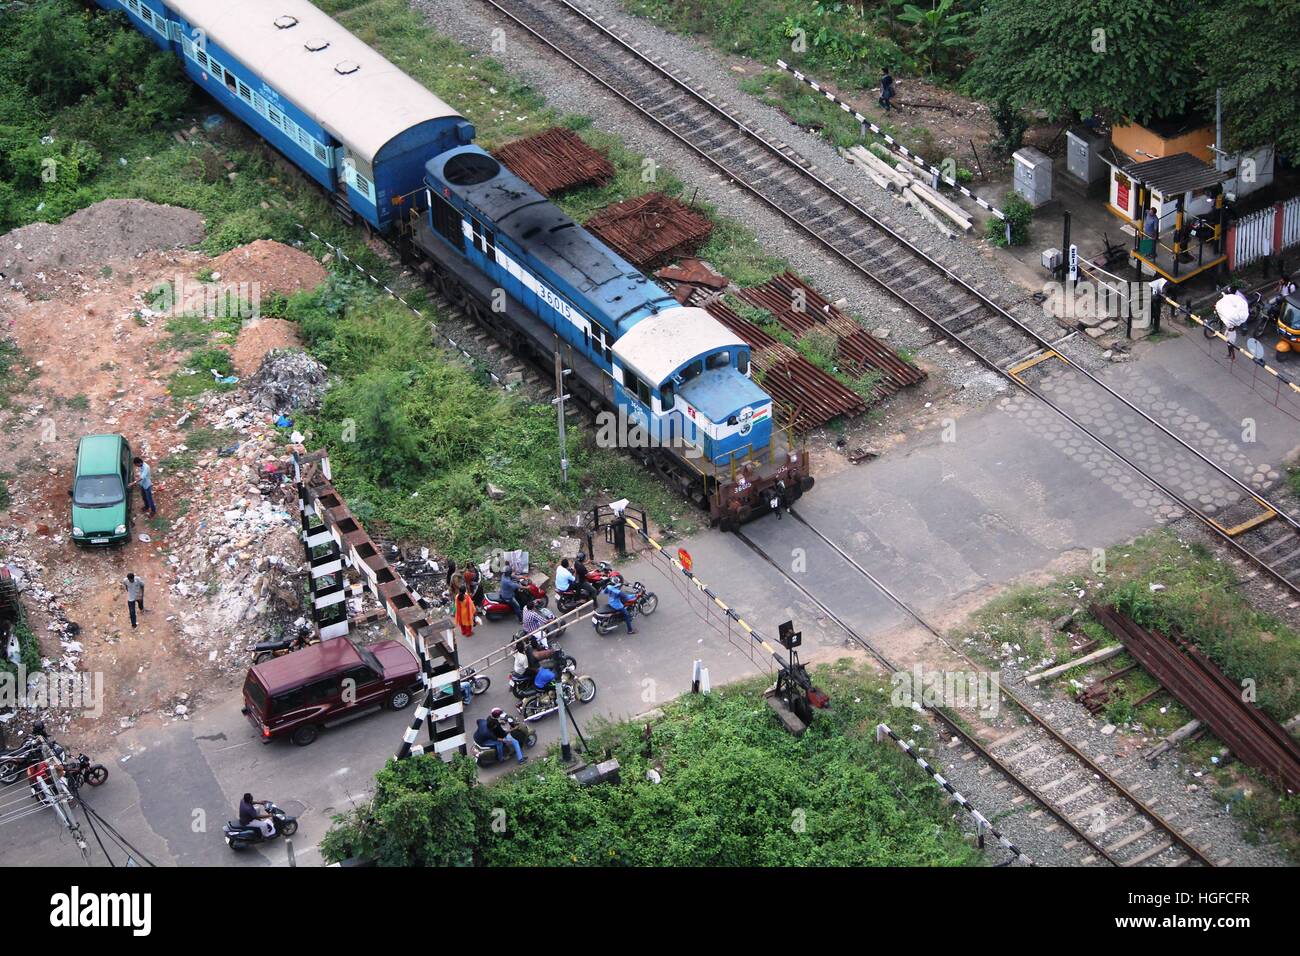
(29, 762)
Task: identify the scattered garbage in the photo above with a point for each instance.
(288, 379)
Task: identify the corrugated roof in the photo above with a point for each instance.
(362, 109)
(1179, 173)
(660, 344)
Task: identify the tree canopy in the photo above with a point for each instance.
(1133, 59)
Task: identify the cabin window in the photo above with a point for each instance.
(694, 370)
(601, 341)
(643, 392)
(742, 363)
(719, 360)
(667, 399)
(445, 220)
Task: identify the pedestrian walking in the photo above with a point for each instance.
(144, 478)
(886, 89)
(134, 595)
(465, 612)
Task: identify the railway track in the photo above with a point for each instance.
(1235, 510)
(1098, 818)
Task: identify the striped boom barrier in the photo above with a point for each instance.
(893, 143)
(981, 821)
(327, 522)
(1184, 311)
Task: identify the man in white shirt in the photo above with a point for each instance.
(564, 576)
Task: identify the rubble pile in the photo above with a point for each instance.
(236, 554)
(288, 379)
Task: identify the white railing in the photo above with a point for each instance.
(1252, 237)
(1291, 222)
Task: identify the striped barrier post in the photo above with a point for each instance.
(1183, 310)
(327, 521)
(935, 172)
(982, 823)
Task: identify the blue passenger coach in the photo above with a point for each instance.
(346, 116)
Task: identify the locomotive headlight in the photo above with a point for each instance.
(794, 458)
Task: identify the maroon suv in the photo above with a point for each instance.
(328, 683)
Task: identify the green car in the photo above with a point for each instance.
(101, 501)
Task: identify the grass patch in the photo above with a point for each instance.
(196, 377)
(6, 498)
(736, 790)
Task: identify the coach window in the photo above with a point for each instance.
(232, 83)
(718, 360)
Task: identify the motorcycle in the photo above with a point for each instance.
(14, 763)
(83, 771)
(642, 601)
(494, 609)
(521, 685)
(538, 703)
(268, 650)
(239, 837)
(486, 756)
(597, 578)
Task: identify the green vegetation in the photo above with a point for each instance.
(1019, 213)
(6, 498)
(736, 790)
(197, 375)
(29, 649)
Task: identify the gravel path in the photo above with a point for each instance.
(471, 23)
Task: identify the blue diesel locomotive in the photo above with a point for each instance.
(397, 156)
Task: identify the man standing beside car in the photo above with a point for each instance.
(134, 594)
(144, 478)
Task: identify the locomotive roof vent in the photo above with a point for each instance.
(316, 45)
(344, 67)
(470, 169)
(286, 21)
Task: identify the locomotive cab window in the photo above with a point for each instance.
(667, 399)
(719, 360)
(694, 370)
(742, 363)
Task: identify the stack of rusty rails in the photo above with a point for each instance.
(693, 281)
(1257, 739)
(800, 309)
(1098, 694)
(555, 160)
(651, 230)
(808, 395)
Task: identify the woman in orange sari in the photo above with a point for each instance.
(465, 612)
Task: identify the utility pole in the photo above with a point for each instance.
(558, 402)
(566, 752)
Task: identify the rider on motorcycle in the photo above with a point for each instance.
(534, 622)
(580, 573)
(493, 732)
(618, 602)
(252, 813)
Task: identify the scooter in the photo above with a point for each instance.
(494, 609)
(239, 837)
(487, 756)
(267, 650)
(641, 601)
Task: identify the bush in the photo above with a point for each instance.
(1019, 213)
(736, 790)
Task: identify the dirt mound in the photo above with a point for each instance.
(259, 337)
(273, 265)
(38, 257)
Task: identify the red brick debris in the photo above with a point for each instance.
(799, 308)
(555, 160)
(651, 230)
